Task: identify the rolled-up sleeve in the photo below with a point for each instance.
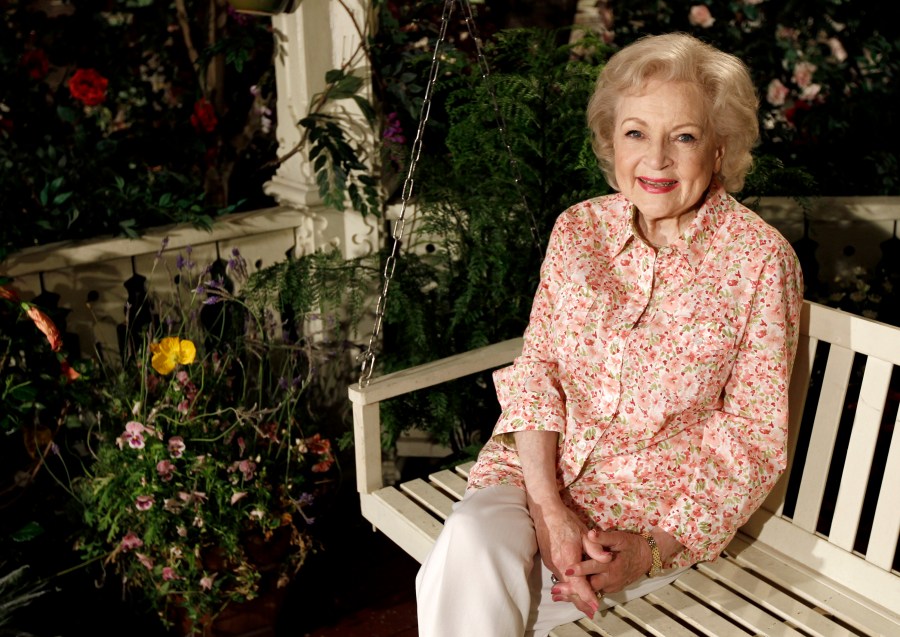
(529, 390)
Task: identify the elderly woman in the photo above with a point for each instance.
(646, 418)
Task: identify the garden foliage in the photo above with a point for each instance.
(118, 118)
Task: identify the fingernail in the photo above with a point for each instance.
(556, 598)
(595, 608)
(554, 590)
(570, 571)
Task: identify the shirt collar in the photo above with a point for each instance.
(694, 243)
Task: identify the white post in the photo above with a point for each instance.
(320, 35)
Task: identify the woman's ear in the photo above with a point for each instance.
(720, 154)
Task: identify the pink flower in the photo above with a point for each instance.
(182, 377)
(168, 574)
(144, 502)
(803, 73)
(134, 434)
(811, 92)
(176, 446)
(837, 49)
(776, 93)
(131, 541)
(206, 583)
(700, 16)
(237, 495)
(246, 467)
(165, 469)
(146, 561)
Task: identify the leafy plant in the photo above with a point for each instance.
(207, 468)
(143, 115)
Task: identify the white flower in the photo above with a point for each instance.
(700, 16)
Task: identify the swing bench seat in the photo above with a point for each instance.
(820, 558)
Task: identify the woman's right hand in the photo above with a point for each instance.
(560, 534)
(559, 531)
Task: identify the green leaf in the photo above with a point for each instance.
(366, 109)
(346, 88)
(66, 114)
(61, 198)
(28, 532)
(333, 76)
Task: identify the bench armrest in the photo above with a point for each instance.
(436, 372)
(366, 418)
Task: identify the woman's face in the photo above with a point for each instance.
(665, 151)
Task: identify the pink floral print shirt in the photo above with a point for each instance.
(665, 371)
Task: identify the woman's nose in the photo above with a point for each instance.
(658, 155)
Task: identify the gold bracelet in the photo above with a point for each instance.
(656, 557)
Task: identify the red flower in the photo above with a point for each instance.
(35, 62)
(71, 374)
(47, 326)
(88, 86)
(204, 117)
(9, 295)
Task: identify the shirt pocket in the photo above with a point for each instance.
(574, 319)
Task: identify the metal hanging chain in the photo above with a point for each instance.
(390, 265)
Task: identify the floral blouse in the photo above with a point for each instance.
(665, 371)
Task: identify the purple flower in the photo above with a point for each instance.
(393, 132)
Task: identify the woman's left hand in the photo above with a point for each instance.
(631, 560)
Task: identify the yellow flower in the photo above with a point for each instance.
(171, 351)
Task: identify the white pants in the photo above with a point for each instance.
(485, 577)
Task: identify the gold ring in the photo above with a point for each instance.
(600, 594)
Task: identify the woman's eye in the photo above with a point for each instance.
(686, 137)
(633, 133)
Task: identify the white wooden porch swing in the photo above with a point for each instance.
(820, 558)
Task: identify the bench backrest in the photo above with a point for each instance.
(837, 508)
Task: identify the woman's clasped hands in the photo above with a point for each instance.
(603, 562)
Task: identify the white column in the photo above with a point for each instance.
(320, 35)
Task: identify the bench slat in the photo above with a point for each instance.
(429, 497)
(569, 630)
(450, 481)
(693, 612)
(860, 452)
(610, 625)
(886, 525)
(827, 420)
(787, 607)
(733, 605)
(799, 388)
(651, 619)
(808, 584)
